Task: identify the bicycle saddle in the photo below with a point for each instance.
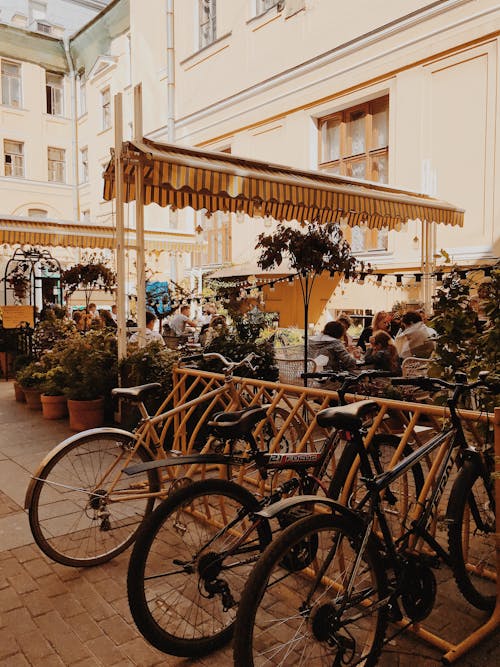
(239, 423)
(135, 393)
(346, 416)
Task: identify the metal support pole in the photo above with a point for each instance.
(120, 231)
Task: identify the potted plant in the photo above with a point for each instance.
(89, 364)
(54, 402)
(20, 361)
(90, 274)
(30, 378)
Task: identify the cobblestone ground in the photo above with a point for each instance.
(53, 615)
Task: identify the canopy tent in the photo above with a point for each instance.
(206, 180)
(148, 172)
(46, 232)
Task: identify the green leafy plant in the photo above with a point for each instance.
(50, 331)
(19, 280)
(152, 363)
(90, 274)
(89, 363)
(310, 251)
(31, 376)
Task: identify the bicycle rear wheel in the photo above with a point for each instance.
(324, 614)
(398, 498)
(471, 536)
(75, 516)
(188, 568)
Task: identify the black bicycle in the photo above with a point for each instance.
(195, 552)
(333, 605)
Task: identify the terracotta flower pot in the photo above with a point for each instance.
(19, 393)
(54, 407)
(85, 414)
(33, 398)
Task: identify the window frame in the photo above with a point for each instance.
(54, 166)
(261, 8)
(11, 163)
(6, 84)
(217, 232)
(373, 241)
(106, 108)
(209, 24)
(84, 165)
(54, 94)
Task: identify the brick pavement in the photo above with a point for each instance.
(51, 615)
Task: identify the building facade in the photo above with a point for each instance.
(404, 93)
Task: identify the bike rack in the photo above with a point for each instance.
(299, 400)
(457, 651)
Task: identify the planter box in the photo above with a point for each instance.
(33, 400)
(85, 414)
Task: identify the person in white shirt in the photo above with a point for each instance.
(151, 336)
(179, 321)
(415, 339)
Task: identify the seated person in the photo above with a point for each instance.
(381, 322)
(150, 336)
(217, 327)
(180, 320)
(415, 339)
(329, 344)
(382, 353)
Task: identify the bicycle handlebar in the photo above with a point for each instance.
(227, 364)
(431, 383)
(346, 376)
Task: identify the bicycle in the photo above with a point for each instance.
(335, 611)
(83, 510)
(194, 552)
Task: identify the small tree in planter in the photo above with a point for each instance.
(310, 251)
(90, 366)
(91, 274)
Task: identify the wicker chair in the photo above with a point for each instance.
(415, 367)
(290, 362)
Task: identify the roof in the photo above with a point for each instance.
(178, 176)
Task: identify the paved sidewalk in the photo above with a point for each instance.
(53, 615)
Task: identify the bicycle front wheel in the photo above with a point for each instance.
(323, 614)
(84, 510)
(190, 562)
(471, 536)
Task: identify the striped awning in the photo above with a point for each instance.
(180, 177)
(44, 232)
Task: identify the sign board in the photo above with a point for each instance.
(14, 316)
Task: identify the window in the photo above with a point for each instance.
(217, 238)
(82, 94)
(54, 92)
(106, 108)
(11, 84)
(13, 158)
(56, 165)
(37, 213)
(84, 165)
(44, 27)
(263, 5)
(355, 142)
(207, 21)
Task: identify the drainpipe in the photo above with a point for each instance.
(170, 73)
(74, 139)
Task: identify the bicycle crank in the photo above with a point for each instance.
(418, 587)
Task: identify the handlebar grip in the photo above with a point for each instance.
(322, 374)
(422, 382)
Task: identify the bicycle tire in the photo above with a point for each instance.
(180, 611)
(471, 536)
(291, 436)
(281, 622)
(70, 518)
(398, 498)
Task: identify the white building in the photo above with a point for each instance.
(404, 93)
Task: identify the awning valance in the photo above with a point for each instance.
(44, 232)
(180, 177)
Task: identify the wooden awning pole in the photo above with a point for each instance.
(120, 231)
(139, 221)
